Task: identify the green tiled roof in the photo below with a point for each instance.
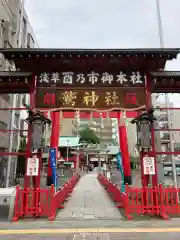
(113, 150)
(68, 141)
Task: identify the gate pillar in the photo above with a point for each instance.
(124, 150)
(54, 142)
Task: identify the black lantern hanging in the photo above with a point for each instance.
(38, 122)
(143, 126)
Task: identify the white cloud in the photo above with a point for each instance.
(105, 24)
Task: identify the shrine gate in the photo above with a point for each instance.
(106, 82)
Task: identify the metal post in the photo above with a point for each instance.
(87, 160)
(161, 40)
(67, 153)
(77, 161)
(160, 29)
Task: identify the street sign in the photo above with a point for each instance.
(148, 165)
(52, 152)
(52, 155)
(32, 166)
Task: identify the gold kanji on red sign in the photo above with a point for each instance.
(68, 98)
(111, 99)
(90, 98)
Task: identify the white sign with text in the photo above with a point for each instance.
(32, 166)
(148, 165)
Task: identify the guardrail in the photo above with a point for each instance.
(156, 201)
(63, 193)
(34, 203)
(113, 190)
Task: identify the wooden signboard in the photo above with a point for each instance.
(91, 78)
(90, 98)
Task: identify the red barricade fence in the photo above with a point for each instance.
(33, 202)
(42, 202)
(113, 190)
(64, 192)
(157, 201)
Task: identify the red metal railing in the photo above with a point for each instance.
(42, 202)
(33, 202)
(162, 201)
(113, 190)
(63, 193)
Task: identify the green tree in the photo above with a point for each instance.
(21, 160)
(88, 135)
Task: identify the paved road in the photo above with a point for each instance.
(89, 200)
(97, 236)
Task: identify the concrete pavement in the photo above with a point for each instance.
(89, 200)
(93, 234)
(88, 215)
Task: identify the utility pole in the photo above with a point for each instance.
(14, 100)
(161, 41)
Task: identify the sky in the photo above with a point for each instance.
(105, 24)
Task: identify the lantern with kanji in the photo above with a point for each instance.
(143, 126)
(38, 123)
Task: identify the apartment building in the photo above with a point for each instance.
(132, 138)
(104, 129)
(167, 139)
(15, 31)
(107, 130)
(67, 128)
(115, 131)
(28, 40)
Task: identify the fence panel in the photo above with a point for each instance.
(33, 203)
(155, 201)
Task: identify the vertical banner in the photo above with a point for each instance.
(52, 155)
(120, 167)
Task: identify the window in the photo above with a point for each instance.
(16, 121)
(6, 97)
(7, 45)
(3, 125)
(24, 31)
(2, 31)
(15, 139)
(18, 100)
(30, 41)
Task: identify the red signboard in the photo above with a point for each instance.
(91, 98)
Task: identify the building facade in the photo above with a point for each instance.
(15, 31)
(106, 130)
(166, 140)
(103, 128)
